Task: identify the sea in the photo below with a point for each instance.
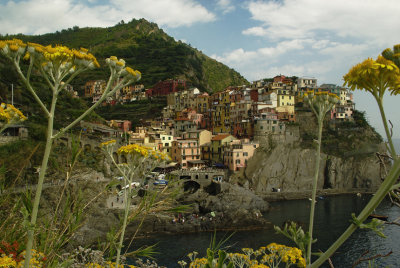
(333, 214)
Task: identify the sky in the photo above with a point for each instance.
(322, 39)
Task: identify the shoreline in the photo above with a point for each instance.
(251, 222)
(281, 196)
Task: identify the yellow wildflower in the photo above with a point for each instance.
(374, 76)
(107, 143)
(6, 261)
(198, 263)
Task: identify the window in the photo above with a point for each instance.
(163, 138)
(245, 154)
(169, 138)
(237, 161)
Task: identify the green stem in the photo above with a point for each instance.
(315, 182)
(127, 201)
(42, 173)
(29, 87)
(76, 121)
(394, 187)
(368, 209)
(389, 137)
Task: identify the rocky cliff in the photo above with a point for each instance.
(291, 169)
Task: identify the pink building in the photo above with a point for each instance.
(183, 151)
(238, 152)
(122, 125)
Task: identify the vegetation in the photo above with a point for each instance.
(141, 43)
(142, 109)
(347, 138)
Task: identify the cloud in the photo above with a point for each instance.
(257, 31)
(226, 6)
(264, 53)
(41, 16)
(367, 20)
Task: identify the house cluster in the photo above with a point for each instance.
(94, 89)
(224, 129)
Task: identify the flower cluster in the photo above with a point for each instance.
(274, 253)
(6, 261)
(374, 76)
(108, 143)
(108, 264)
(10, 250)
(270, 256)
(143, 151)
(10, 261)
(49, 56)
(198, 263)
(10, 114)
(320, 102)
(119, 65)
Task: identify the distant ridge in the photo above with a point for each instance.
(147, 48)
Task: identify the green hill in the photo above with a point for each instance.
(148, 49)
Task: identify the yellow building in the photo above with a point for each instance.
(218, 143)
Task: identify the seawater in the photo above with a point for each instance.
(333, 215)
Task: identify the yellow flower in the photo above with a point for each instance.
(6, 261)
(374, 76)
(10, 114)
(198, 263)
(108, 143)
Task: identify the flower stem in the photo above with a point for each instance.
(315, 182)
(127, 201)
(388, 136)
(39, 187)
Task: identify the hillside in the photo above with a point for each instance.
(148, 49)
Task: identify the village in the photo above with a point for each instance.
(221, 130)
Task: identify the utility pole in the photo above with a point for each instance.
(12, 94)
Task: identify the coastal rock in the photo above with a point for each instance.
(290, 168)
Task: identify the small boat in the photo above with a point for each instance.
(379, 217)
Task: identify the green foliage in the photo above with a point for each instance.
(374, 225)
(146, 47)
(143, 109)
(346, 138)
(297, 235)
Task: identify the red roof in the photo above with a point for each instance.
(220, 137)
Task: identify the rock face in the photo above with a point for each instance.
(291, 169)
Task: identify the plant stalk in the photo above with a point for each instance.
(315, 182)
(127, 201)
(42, 173)
(386, 127)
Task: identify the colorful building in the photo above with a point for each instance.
(238, 152)
(183, 151)
(218, 143)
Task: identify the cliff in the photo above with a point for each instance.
(290, 168)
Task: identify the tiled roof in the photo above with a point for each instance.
(220, 137)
